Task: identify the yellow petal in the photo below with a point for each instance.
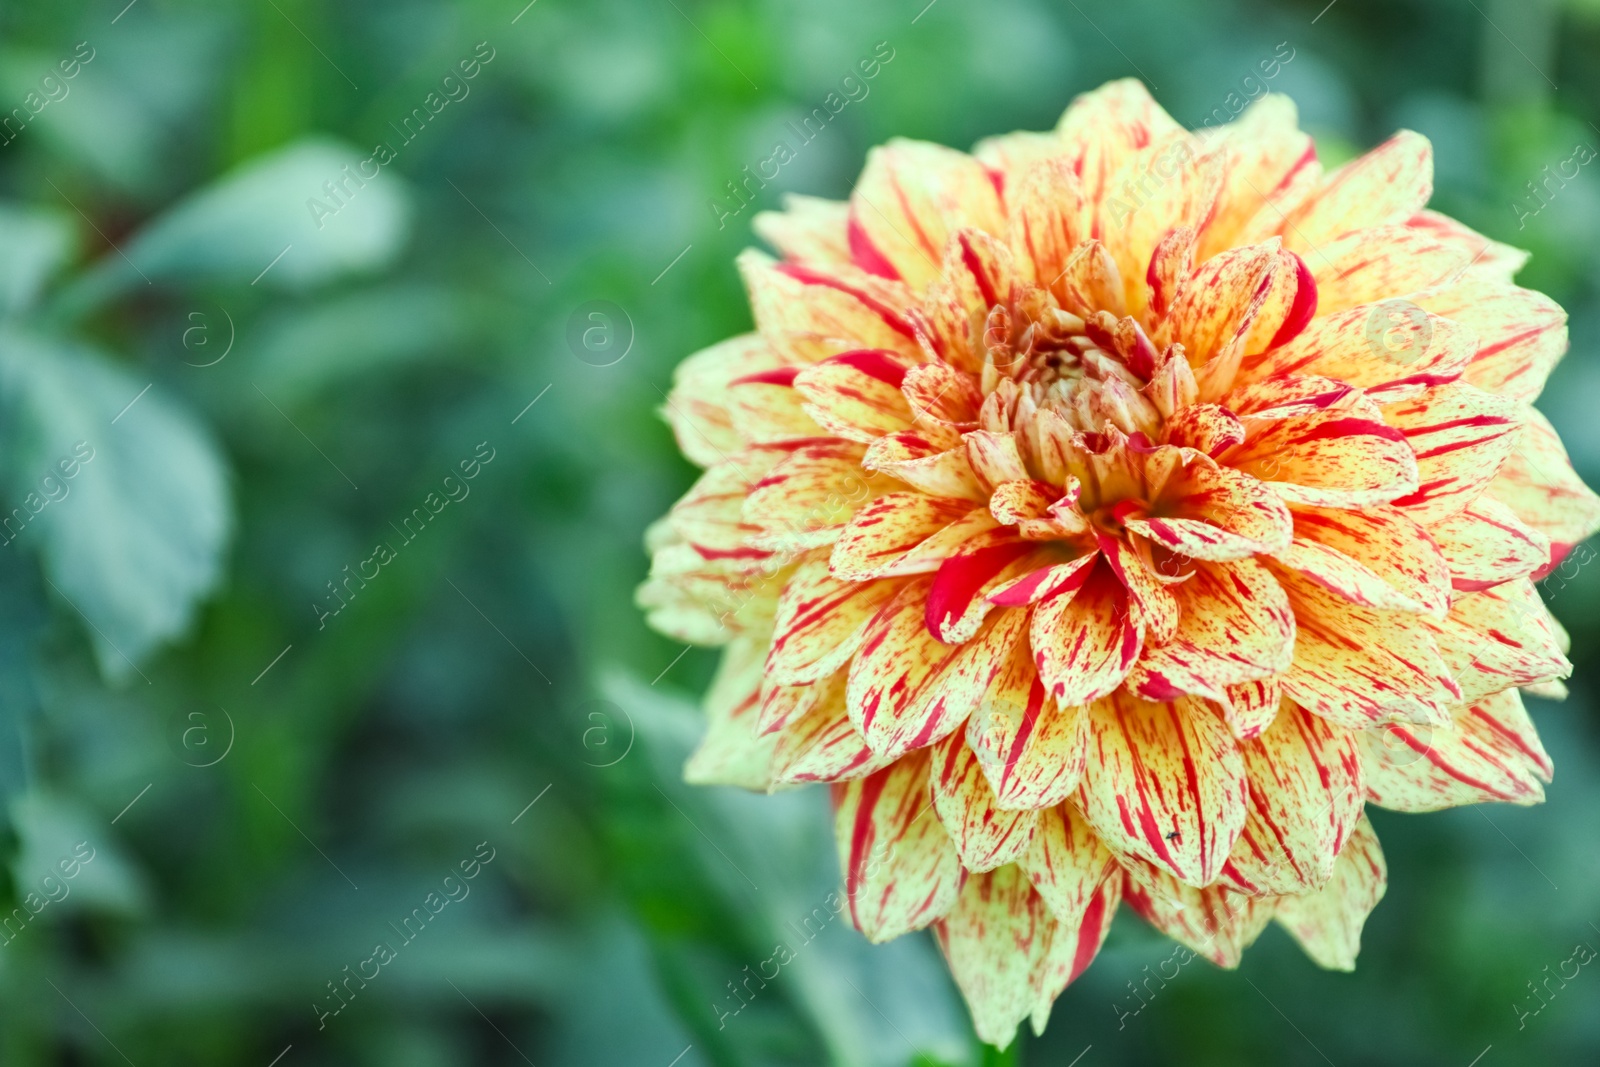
(986, 836)
(1165, 783)
(1386, 186)
(900, 867)
(1328, 923)
(912, 196)
(1489, 753)
(1306, 793)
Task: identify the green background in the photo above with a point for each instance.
(287, 813)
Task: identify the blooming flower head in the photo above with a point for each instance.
(1109, 515)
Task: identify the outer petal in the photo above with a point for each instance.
(1357, 667)
(821, 622)
(1388, 185)
(1072, 947)
(1214, 922)
(1490, 753)
(731, 753)
(1384, 344)
(907, 689)
(1328, 923)
(1521, 334)
(1067, 863)
(912, 196)
(698, 408)
(1102, 130)
(1328, 459)
(1500, 637)
(992, 939)
(1306, 794)
(1538, 483)
(1165, 783)
(823, 747)
(806, 499)
(856, 394)
(879, 538)
(791, 301)
(1487, 544)
(1461, 436)
(985, 835)
(1376, 557)
(900, 867)
(808, 229)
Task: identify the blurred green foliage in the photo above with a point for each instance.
(270, 787)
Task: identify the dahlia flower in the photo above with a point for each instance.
(1108, 516)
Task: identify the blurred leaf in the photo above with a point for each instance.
(36, 244)
(235, 230)
(55, 830)
(134, 535)
(312, 349)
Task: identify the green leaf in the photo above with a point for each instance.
(123, 493)
(279, 205)
(36, 244)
